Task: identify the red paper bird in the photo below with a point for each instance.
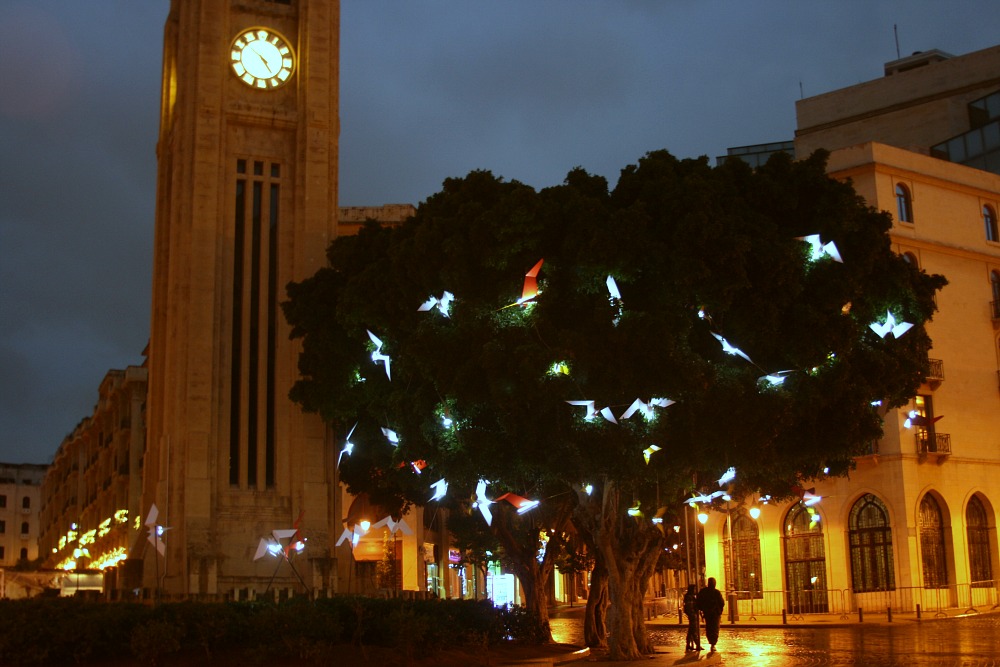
(531, 283)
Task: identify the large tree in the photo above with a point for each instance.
(643, 292)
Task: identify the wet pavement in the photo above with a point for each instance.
(966, 641)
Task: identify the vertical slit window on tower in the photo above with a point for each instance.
(236, 362)
(272, 315)
(255, 315)
(253, 334)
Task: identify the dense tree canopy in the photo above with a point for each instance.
(701, 258)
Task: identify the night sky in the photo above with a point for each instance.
(430, 89)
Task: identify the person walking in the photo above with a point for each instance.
(691, 611)
(710, 603)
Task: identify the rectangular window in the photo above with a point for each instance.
(254, 320)
(3, 527)
(923, 406)
(3, 501)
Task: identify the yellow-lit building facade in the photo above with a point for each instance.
(914, 525)
(90, 511)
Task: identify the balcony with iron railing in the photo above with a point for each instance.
(933, 446)
(935, 372)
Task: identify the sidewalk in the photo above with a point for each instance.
(674, 655)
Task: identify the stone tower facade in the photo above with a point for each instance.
(246, 203)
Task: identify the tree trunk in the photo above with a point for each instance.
(534, 580)
(595, 630)
(519, 537)
(630, 548)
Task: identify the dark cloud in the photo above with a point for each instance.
(429, 90)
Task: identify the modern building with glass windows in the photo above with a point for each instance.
(915, 522)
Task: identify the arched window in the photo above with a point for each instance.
(26, 502)
(995, 284)
(745, 549)
(24, 527)
(911, 259)
(805, 561)
(932, 543)
(978, 533)
(24, 554)
(871, 546)
(990, 220)
(904, 204)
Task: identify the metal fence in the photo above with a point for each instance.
(977, 596)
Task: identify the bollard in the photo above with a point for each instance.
(889, 612)
(861, 615)
(918, 612)
(680, 616)
(784, 617)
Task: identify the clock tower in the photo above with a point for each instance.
(246, 203)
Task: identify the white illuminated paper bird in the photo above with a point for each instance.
(391, 436)
(348, 445)
(890, 326)
(440, 489)
(352, 536)
(615, 297)
(729, 349)
(774, 379)
(393, 526)
(280, 541)
(727, 476)
(819, 248)
(530, 290)
(377, 355)
(592, 412)
(638, 405)
(482, 503)
(649, 451)
(156, 531)
(700, 499)
(442, 303)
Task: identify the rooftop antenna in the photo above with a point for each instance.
(895, 33)
(802, 94)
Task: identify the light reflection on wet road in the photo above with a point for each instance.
(967, 642)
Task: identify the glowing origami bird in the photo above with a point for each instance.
(520, 503)
(530, 290)
(377, 355)
(272, 544)
(727, 476)
(819, 248)
(394, 526)
(649, 451)
(391, 436)
(638, 405)
(890, 326)
(351, 535)
(591, 412)
(443, 304)
(348, 445)
(156, 531)
(483, 503)
(440, 489)
(774, 379)
(704, 498)
(615, 297)
(729, 349)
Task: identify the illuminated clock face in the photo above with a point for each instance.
(262, 58)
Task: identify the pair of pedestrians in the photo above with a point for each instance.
(709, 603)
